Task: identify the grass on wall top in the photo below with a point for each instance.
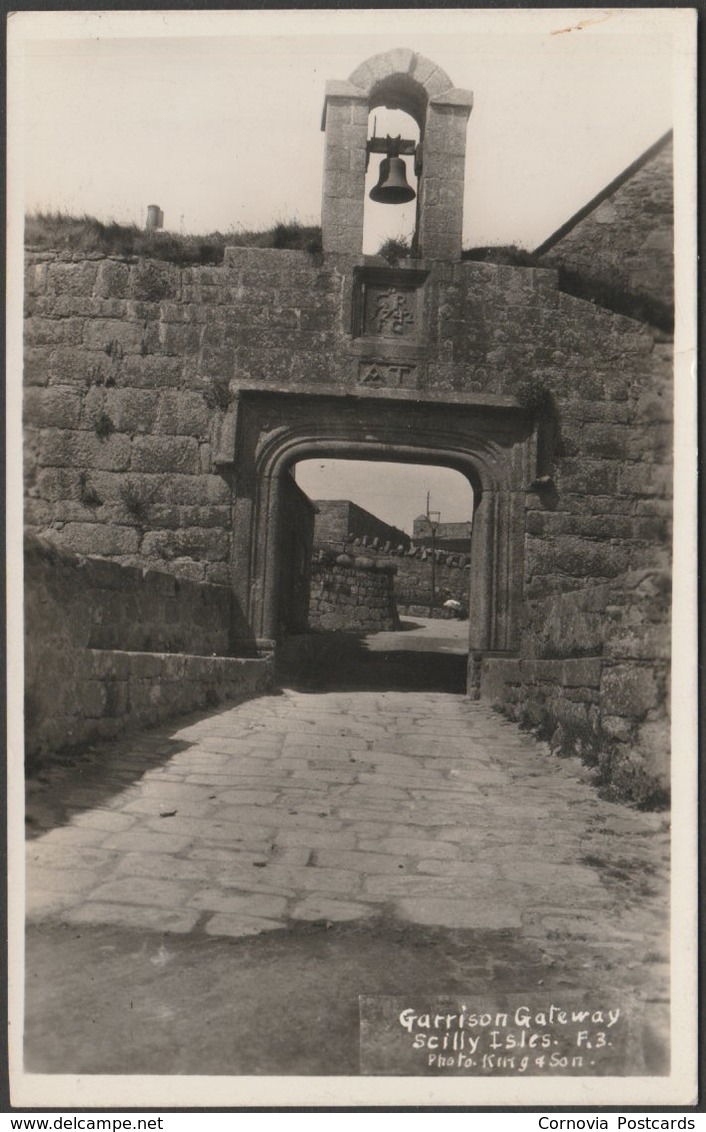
(57, 231)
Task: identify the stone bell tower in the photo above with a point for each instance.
(398, 80)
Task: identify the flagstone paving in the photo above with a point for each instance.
(281, 857)
(428, 809)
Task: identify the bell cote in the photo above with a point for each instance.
(398, 80)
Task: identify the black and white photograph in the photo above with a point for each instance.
(352, 557)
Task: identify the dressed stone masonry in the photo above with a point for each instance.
(111, 646)
(352, 593)
(166, 406)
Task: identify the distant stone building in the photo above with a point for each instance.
(338, 521)
(452, 537)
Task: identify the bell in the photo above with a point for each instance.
(392, 187)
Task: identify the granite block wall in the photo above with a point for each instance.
(132, 367)
(353, 594)
(413, 584)
(598, 684)
(129, 372)
(411, 569)
(122, 413)
(110, 606)
(102, 693)
(109, 647)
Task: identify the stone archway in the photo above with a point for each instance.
(492, 444)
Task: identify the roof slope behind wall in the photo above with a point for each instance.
(622, 240)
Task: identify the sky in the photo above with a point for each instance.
(219, 124)
(396, 493)
(216, 118)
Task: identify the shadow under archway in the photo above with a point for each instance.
(374, 662)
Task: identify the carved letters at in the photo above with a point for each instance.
(388, 375)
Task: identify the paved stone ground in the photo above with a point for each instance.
(354, 808)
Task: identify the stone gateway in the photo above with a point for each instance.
(166, 408)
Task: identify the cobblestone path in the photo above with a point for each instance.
(424, 808)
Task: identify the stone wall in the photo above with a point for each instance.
(352, 593)
(118, 427)
(413, 583)
(448, 536)
(125, 607)
(107, 648)
(132, 367)
(127, 397)
(594, 675)
(598, 685)
(411, 570)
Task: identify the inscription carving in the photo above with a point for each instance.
(387, 303)
(389, 375)
(391, 312)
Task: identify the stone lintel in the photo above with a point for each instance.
(420, 267)
(479, 400)
(387, 350)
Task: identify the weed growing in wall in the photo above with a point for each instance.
(137, 499)
(114, 350)
(535, 397)
(217, 396)
(297, 237)
(87, 493)
(393, 250)
(103, 426)
(503, 254)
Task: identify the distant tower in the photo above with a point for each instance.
(155, 218)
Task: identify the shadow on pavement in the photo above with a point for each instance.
(285, 1002)
(70, 782)
(343, 661)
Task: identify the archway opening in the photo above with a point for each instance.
(392, 227)
(389, 575)
(491, 445)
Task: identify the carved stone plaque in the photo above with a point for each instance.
(388, 304)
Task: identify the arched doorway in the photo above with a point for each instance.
(406, 524)
(412, 521)
(491, 444)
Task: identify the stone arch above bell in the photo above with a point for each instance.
(402, 80)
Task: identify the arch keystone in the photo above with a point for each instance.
(401, 61)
